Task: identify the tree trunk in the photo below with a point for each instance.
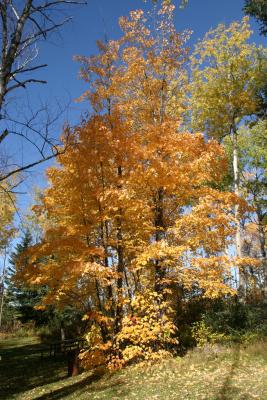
(73, 363)
(104, 238)
(3, 288)
(262, 239)
(120, 268)
(62, 337)
(62, 333)
(159, 225)
(242, 281)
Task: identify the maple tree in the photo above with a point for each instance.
(134, 210)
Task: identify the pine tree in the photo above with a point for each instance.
(258, 10)
(21, 298)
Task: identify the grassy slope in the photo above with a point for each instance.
(210, 374)
(21, 367)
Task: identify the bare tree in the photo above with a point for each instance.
(23, 25)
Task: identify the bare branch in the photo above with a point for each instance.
(23, 83)
(22, 26)
(31, 39)
(22, 70)
(30, 165)
(3, 135)
(30, 24)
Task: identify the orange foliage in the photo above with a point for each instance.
(133, 205)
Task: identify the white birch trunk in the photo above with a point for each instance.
(238, 241)
(262, 239)
(3, 288)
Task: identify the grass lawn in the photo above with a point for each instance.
(218, 373)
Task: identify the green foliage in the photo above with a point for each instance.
(227, 74)
(258, 10)
(67, 320)
(20, 311)
(27, 330)
(21, 299)
(203, 334)
(252, 154)
(252, 145)
(231, 320)
(200, 321)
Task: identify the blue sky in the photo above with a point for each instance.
(99, 17)
(91, 22)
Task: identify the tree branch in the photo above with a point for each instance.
(23, 84)
(30, 165)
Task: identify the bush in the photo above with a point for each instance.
(230, 321)
(203, 334)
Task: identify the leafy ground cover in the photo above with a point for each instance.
(212, 373)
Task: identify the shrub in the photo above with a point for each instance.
(148, 333)
(230, 321)
(203, 334)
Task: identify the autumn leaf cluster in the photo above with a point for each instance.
(135, 210)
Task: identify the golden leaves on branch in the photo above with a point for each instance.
(133, 208)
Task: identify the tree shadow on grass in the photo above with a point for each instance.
(22, 369)
(81, 386)
(227, 391)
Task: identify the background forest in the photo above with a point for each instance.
(150, 237)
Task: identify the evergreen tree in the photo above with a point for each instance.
(20, 298)
(258, 10)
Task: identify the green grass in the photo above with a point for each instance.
(217, 373)
(22, 369)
